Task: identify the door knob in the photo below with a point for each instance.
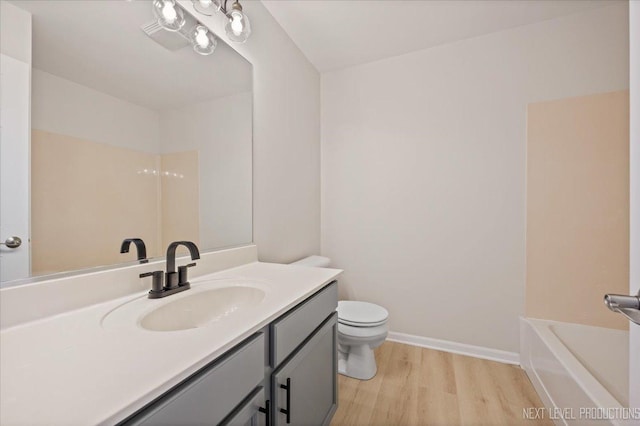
(12, 242)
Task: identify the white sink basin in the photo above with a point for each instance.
(199, 309)
(199, 306)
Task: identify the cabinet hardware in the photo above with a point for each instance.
(287, 411)
(267, 412)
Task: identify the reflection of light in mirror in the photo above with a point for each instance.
(154, 172)
(203, 42)
(169, 15)
(173, 175)
(201, 37)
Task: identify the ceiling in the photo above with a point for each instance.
(335, 34)
(99, 44)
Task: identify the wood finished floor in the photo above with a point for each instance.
(418, 386)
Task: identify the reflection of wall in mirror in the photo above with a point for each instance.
(179, 197)
(221, 131)
(86, 197)
(96, 177)
(15, 61)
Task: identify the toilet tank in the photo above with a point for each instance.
(317, 261)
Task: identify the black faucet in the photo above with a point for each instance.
(175, 279)
(174, 282)
(140, 248)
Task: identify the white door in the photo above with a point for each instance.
(14, 167)
(634, 253)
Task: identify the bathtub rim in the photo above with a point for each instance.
(592, 388)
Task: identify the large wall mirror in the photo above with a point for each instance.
(132, 135)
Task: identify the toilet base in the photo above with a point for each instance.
(358, 362)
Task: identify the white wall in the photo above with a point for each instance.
(286, 138)
(15, 32)
(423, 170)
(65, 107)
(220, 129)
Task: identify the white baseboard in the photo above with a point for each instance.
(456, 348)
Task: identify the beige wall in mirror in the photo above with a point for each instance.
(578, 208)
(74, 186)
(132, 139)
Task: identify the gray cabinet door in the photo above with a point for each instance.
(304, 388)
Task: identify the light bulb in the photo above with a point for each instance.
(169, 15)
(238, 27)
(201, 37)
(236, 23)
(207, 7)
(202, 40)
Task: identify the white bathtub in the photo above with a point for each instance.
(578, 371)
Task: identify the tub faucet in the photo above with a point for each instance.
(175, 279)
(629, 306)
(140, 248)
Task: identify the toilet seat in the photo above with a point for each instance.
(360, 324)
(365, 333)
(361, 314)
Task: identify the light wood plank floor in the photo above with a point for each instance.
(418, 386)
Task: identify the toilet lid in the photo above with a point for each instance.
(361, 314)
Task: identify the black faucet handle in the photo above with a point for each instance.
(182, 273)
(156, 281)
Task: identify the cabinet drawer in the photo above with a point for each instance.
(253, 411)
(212, 393)
(290, 330)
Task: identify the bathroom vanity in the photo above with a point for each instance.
(264, 356)
(285, 373)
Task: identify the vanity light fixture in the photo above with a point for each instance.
(169, 15)
(238, 27)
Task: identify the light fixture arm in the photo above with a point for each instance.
(236, 5)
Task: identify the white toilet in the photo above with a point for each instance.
(362, 327)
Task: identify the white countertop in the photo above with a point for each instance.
(70, 369)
